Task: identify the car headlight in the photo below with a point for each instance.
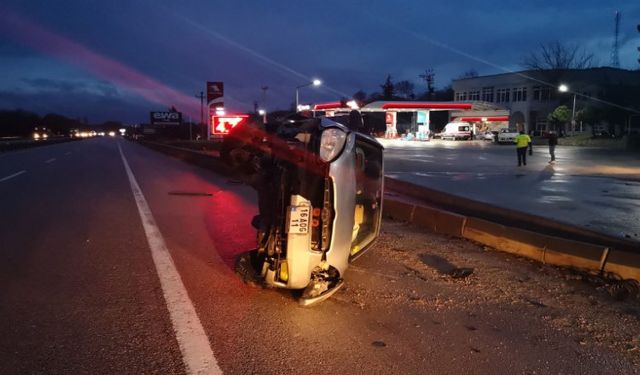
(331, 143)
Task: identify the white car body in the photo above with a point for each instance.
(456, 130)
(507, 136)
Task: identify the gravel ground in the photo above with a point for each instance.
(523, 304)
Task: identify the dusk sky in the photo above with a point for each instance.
(120, 59)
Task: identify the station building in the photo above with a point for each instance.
(529, 96)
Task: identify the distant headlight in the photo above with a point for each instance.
(36, 136)
(45, 136)
(331, 143)
(112, 134)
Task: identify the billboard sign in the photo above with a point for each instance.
(221, 125)
(215, 94)
(166, 118)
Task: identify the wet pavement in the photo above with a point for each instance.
(598, 189)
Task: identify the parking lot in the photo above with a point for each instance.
(594, 188)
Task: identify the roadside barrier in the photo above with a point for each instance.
(531, 236)
(623, 261)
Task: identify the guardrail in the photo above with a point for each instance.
(538, 238)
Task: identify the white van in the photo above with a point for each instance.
(456, 130)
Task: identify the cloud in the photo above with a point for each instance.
(96, 106)
(47, 84)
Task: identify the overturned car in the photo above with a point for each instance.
(320, 189)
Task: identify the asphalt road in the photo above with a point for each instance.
(597, 189)
(81, 288)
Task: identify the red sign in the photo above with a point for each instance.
(223, 124)
(389, 118)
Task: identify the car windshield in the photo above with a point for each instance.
(301, 187)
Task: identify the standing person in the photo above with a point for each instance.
(522, 143)
(553, 142)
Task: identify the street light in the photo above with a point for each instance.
(565, 88)
(263, 113)
(315, 82)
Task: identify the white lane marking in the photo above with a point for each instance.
(12, 176)
(50, 160)
(194, 344)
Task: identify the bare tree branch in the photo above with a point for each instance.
(555, 55)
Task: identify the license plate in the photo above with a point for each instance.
(299, 219)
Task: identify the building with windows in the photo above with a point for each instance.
(531, 95)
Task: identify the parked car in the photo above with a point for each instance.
(507, 135)
(487, 136)
(456, 130)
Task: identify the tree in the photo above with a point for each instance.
(17, 123)
(560, 115)
(589, 115)
(360, 96)
(405, 89)
(555, 55)
(471, 73)
(429, 78)
(388, 89)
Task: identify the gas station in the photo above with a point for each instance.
(395, 118)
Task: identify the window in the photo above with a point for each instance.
(474, 95)
(541, 93)
(487, 94)
(520, 94)
(502, 96)
(369, 178)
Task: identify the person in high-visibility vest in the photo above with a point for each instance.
(522, 143)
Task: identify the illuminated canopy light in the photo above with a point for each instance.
(331, 105)
(427, 105)
(353, 104)
(477, 119)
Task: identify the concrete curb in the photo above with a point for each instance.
(424, 196)
(540, 247)
(606, 254)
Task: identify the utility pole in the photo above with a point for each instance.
(429, 78)
(615, 56)
(201, 96)
(264, 97)
(638, 47)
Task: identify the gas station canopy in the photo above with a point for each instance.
(395, 106)
(381, 106)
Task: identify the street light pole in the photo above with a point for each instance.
(573, 115)
(565, 88)
(315, 82)
(201, 97)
